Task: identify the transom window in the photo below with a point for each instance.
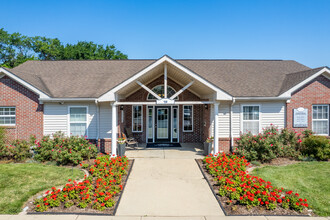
(251, 119)
(159, 90)
(7, 116)
(78, 121)
(137, 118)
(321, 119)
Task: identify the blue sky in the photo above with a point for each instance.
(247, 29)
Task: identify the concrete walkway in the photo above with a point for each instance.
(89, 217)
(167, 182)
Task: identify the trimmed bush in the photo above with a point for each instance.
(270, 144)
(2, 136)
(317, 147)
(18, 150)
(64, 150)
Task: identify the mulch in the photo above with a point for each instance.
(237, 209)
(88, 210)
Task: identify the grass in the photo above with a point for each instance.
(310, 179)
(18, 182)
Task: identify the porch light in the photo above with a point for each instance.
(206, 106)
(121, 107)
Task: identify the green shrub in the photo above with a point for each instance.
(64, 150)
(270, 144)
(18, 150)
(317, 147)
(2, 136)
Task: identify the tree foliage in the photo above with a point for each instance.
(17, 48)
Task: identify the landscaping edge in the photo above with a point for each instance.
(86, 213)
(224, 211)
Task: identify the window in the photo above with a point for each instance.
(321, 119)
(7, 116)
(187, 118)
(137, 118)
(78, 121)
(251, 119)
(159, 90)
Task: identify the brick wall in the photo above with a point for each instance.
(315, 92)
(29, 113)
(201, 115)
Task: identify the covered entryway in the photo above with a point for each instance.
(165, 103)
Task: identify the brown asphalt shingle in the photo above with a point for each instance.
(91, 79)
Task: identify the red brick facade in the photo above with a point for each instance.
(29, 113)
(201, 116)
(315, 92)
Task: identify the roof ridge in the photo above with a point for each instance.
(306, 70)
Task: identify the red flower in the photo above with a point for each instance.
(102, 204)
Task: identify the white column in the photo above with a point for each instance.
(114, 130)
(216, 128)
(165, 81)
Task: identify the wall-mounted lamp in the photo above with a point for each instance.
(61, 103)
(121, 107)
(206, 106)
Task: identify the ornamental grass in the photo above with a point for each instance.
(241, 188)
(96, 191)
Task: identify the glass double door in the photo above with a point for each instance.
(163, 124)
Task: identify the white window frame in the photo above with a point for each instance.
(87, 118)
(192, 119)
(8, 116)
(153, 122)
(176, 98)
(178, 123)
(320, 119)
(141, 119)
(242, 116)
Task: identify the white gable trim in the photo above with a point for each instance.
(24, 83)
(110, 95)
(324, 71)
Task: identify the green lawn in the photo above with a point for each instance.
(18, 182)
(310, 179)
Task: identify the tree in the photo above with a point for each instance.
(16, 49)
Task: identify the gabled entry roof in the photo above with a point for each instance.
(92, 79)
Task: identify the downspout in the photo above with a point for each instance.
(231, 125)
(97, 122)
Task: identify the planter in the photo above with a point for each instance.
(207, 148)
(121, 149)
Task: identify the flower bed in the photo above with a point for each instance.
(97, 193)
(241, 193)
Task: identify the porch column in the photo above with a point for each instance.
(216, 128)
(114, 130)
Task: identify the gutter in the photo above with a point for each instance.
(262, 98)
(41, 100)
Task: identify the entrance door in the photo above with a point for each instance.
(163, 124)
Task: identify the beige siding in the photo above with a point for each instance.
(56, 118)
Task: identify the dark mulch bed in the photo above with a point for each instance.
(88, 210)
(236, 209)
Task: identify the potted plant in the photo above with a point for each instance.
(121, 146)
(208, 145)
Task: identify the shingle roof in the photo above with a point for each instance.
(91, 79)
(293, 79)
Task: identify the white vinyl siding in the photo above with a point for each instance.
(224, 120)
(270, 113)
(56, 118)
(105, 120)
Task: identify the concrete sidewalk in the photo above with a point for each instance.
(86, 217)
(167, 187)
